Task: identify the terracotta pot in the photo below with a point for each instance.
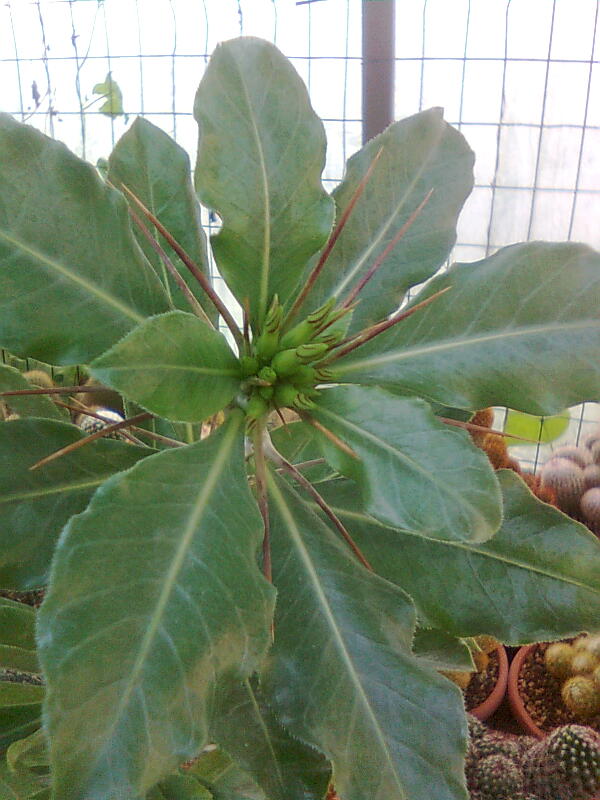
(514, 698)
(487, 708)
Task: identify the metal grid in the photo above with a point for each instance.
(520, 78)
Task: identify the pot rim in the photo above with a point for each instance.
(485, 710)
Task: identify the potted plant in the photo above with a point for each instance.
(261, 590)
(558, 683)
(484, 686)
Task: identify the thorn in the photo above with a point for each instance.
(332, 240)
(87, 439)
(385, 253)
(330, 435)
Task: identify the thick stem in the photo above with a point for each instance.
(91, 438)
(312, 278)
(262, 496)
(193, 268)
(185, 289)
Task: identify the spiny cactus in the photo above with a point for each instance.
(576, 665)
(565, 765)
(565, 478)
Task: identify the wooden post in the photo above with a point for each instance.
(378, 66)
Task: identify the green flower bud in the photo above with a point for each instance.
(325, 375)
(248, 365)
(274, 316)
(301, 333)
(285, 395)
(303, 402)
(266, 345)
(266, 392)
(304, 376)
(321, 315)
(257, 406)
(311, 351)
(285, 362)
(267, 374)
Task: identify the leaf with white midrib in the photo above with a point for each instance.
(118, 661)
(261, 153)
(352, 688)
(519, 329)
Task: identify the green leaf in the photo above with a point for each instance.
(109, 88)
(539, 429)
(22, 787)
(419, 154)
(296, 441)
(29, 755)
(21, 696)
(73, 280)
(155, 600)
(440, 651)
(157, 171)
(282, 766)
(34, 506)
(11, 380)
(519, 329)
(224, 779)
(260, 157)
(538, 578)
(413, 470)
(17, 637)
(174, 365)
(341, 676)
(183, 787)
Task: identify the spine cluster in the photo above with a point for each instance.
(564, 766)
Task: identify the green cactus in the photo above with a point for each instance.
(565, 765)
(581, 695)
(498, 778)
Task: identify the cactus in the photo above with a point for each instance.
(565, 765)
(91, 424)
(579, 455)
(590, 507)
(581, 695)
(558, 659)
(565, 478)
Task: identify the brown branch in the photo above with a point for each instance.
(193, 268)
(470, 426)
(322, 503)
(385, 253)
(54, 390)
(92, 437)
(312, 278)
(80, 408)
(339, 443)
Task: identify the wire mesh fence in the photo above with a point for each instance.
(520, 78)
